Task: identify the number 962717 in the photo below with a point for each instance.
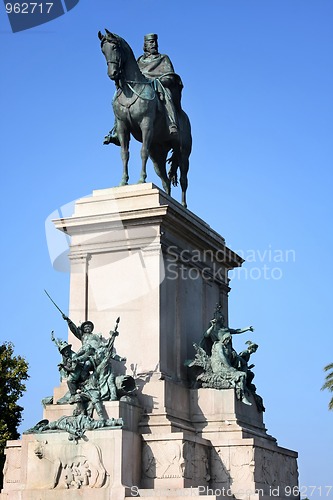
(28, 8)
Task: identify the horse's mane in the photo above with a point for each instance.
(125, 46)
(112, 37)
(129, 55)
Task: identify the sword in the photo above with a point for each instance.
(63, 314)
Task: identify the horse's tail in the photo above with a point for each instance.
(174, 164)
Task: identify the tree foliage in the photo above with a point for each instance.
(13, 373)
(329, 383)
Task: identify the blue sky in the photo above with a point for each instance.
(258, 77)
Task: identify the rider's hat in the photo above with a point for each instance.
(87, 323)
(150, 36)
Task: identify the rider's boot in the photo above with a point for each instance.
(171, 115)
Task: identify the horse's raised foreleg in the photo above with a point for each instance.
(124, 139)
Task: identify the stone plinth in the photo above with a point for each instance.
(50, 466)
(215, 410)
(130, 412)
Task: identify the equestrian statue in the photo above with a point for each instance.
(147, 105)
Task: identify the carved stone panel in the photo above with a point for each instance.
(275, 469)
(186, 461)
(12, 468)
(65, 465)
(163, 459)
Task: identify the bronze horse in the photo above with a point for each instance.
(138, 111)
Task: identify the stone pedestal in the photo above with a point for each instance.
(138, 254)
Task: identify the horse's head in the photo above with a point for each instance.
(112, 49)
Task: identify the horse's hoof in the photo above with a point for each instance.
(141, 180)
(123, 183)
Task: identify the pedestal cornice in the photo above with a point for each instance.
(144, 205)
